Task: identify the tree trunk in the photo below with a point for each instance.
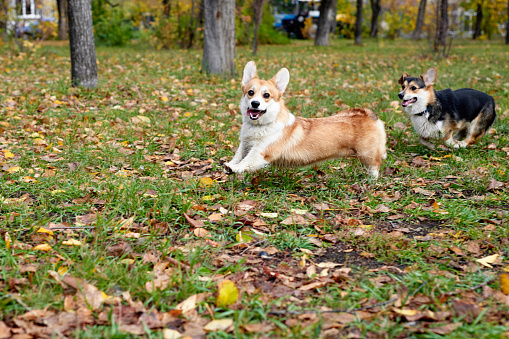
(358, 23)
(326, 22)
(257, 19)
(442, 25)
(420, 20)
(219, 37)
(166, 8)
(478, 22)
(81, 36)
(507, 26)
(376, 9)
(63, 27)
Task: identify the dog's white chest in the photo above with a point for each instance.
(261, 136)
(425, 128)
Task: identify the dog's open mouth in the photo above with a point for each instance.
(405, 103)
(255, 114)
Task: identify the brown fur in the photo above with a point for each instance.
(290, 141)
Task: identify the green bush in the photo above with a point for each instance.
(111, 25)
(267, 34)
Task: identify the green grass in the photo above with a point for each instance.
(135, 152)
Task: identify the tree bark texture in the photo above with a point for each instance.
(257, 20)
(63, 26)
(442, 25)
(166, 8)
(376, 9)
(478, 22)
(81, 38)
(326, 22)
(419, 24)
(219, 37)
(358, 23)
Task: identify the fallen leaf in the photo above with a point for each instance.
(43, 248)
(201, 232)
(72, 242)
(171, 334)
(494, 184)
(486, 261)
(227, 293)
(225, 325)
(504, 283)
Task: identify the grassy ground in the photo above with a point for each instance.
(116, 219)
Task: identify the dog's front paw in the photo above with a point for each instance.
(229, 168)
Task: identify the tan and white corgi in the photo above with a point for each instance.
(459, 117)
(271, 135)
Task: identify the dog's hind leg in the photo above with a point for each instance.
(480, 125)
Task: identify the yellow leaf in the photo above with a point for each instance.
(8, 154)
(43, 248)
(45, 230)
(206, 182)
(35, 135)
(190, 91)
(144, 118)
(504, 283)
(58, 102)
(171, 334)
(57, 191)
(127, 261)
(244, 236)
(5, 124)
(225, 325)
(227, 293)
(72, 242)
(164, 98)
(29, 179)
(486, 261)
(7, 239)
(14, 169)
(62, 270)
(39, 141)
(406, 312)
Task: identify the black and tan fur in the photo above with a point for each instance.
(459, 118)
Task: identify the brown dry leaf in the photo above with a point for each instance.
(474, 248)
(259, 327)
(467, 309)
(194, 223)
(88, 219)
(295, 219)
(215, 217)
(219, 325)
(5, 332)
(381, 209)
(316, 284)
(93, 296)
(494, 184)
(201, 232)
(457, 250)
(396, 217)
(188, 305)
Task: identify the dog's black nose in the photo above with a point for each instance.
(400, 95)
(255, 104)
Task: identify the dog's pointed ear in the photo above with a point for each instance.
(429, 76)
(403, 77)
(249, 72)
(281, 79)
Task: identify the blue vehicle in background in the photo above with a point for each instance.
(300, 21)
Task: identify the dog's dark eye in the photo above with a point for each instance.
(250, 92)
(413, 88)
(266, 95)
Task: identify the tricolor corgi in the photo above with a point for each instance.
(459, 117)
(271, 135)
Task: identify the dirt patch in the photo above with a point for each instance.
(411, 230)
(352, 258)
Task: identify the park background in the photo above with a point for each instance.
(116, 219)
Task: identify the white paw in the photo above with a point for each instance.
(452, 143)
(230, 168)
